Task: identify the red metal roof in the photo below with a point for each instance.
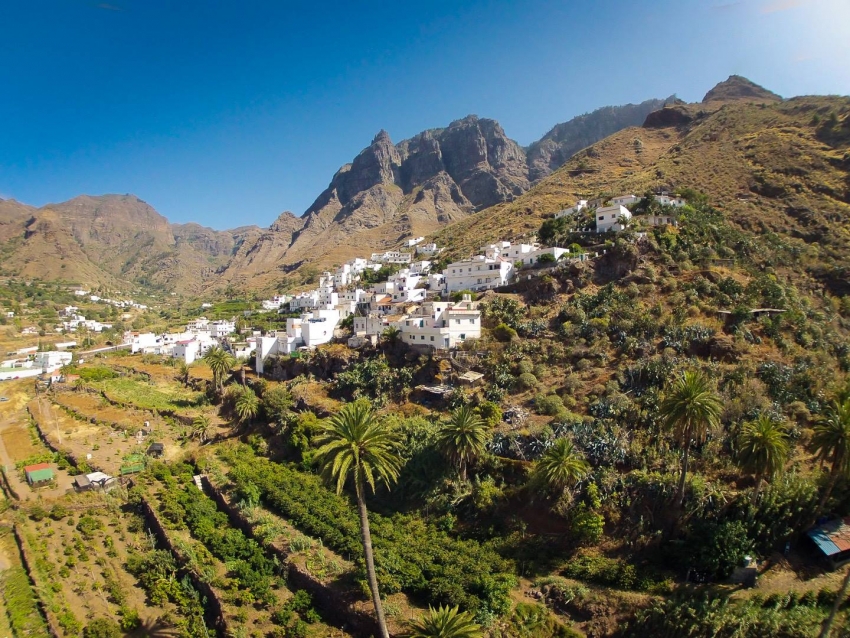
(37, 466)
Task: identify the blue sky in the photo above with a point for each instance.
(227, 113)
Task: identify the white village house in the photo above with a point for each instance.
(610, 218)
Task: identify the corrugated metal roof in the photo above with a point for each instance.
(832, 537)
(36, 476)
(36, 466)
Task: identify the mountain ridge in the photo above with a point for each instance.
(436, 179)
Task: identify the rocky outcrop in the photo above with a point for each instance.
(564, 140)
(738, 88)
(668, 116)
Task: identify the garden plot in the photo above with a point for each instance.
(19, 613)
(162, 396)
(80, 438)
(248, 583)
(19, 440)
(93, 407)
(79, 549)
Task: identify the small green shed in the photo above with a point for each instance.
(39, 474)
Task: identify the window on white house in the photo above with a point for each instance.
(602, 218)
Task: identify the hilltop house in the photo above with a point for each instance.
(666, 200)
(624, 200)
(427, 249)
(569, 212)
(609, 218)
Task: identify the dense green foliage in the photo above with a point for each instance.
(411, 555)
(183, 504)
(374, 379)
(785, 617)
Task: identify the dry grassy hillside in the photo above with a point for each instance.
(781, 167)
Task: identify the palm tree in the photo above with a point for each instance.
(247, 404)
(445, 622)
(831, 441)
(561, 467)
(201, 426)
(219, 361)
(690, 409)
(183, 373)
(390, 338)
(353, 443)
(463, 438)
(762, 449)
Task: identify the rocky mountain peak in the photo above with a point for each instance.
(286, 222)
(737, 88)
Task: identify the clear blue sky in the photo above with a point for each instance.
(227, 113)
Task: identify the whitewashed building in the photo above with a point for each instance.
(609, 218)
(624, 200)
(198, 325)
(140, 342)
(478, 273)
(243, 350)
(392, 257)
(441, 324)
(187, 350)
(667, 200)
(427, 249)
(572, 210)
(222, 328)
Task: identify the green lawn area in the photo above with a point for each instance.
(150, 397)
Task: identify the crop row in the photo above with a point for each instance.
(411, 554)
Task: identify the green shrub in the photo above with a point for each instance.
(526, 381)
(504, 333)
(717, 548)
(102, 628)
(550, 404)
(490, 413)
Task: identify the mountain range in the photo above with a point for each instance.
(465, 182)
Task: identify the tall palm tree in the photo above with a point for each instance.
(690, 409)
(354, 443)
(762, 449)
(219, 361)
(445, 622)
(247, 404)
(463, 438)
(831, 441)
(561, 467)
(201, 426)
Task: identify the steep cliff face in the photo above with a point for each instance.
(564, 140)
(413, 187)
